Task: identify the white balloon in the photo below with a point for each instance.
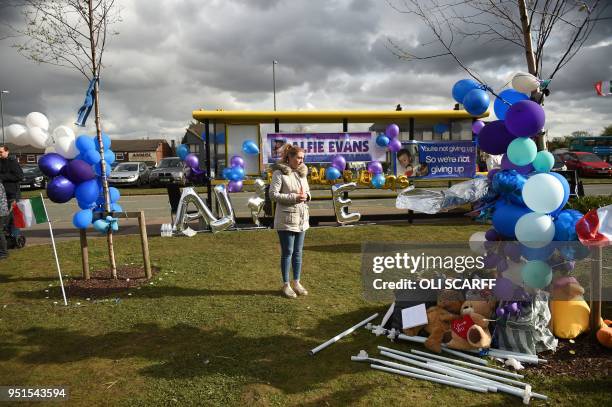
(535, 230)
(36, 119)
(62, 132)
(15, 133)
(477, 241)
(66, 147)
(50, 149)
(525, 82)
(543, 193)
(37, 137)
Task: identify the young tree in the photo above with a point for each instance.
(72, 34)
(607, 131)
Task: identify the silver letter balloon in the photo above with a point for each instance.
(256, 202)
(344, 218)
(189, 195)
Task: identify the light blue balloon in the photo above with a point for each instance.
(236, 174)
(85, 143)
(82, 219)
(332, 174)
(114, 195)
(92, 156)
(522, 151)
(182, 150)
(115, 207)
(537, 274)
(378, 181)
(543, 161)
(476, 102)
(100, 225)
(250, 147)
(109, 156)
(382, 140)
(106, 142)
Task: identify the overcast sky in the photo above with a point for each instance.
(175, 56)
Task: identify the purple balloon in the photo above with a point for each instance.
(392, 131)
(506, 164)
(504, 289)
(525, 118)
(375, 167)
(491, 235)
(500, 312)
(395, 145)
(237, 161)
(477, 126)
(339, 162)
(51, 164)
(78, 171)
(494, 138)
(513, 251)
(192, 160)
(60, 189)
(492, 173)
(502, 265)
(234, 186)
(491, 260)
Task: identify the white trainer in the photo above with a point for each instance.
(299, 288)
(288, 291)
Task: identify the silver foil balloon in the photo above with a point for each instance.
(216, 225)
(344, 218)
(256, 203)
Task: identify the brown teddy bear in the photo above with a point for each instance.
(471, 330)
(439, 318)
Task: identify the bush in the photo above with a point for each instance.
(586, 203)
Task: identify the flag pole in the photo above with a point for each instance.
(59, 271)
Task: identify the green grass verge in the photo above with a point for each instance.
(211, 329)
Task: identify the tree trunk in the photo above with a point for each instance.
(531, 64)
(107, 203)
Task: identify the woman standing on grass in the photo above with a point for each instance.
(290, 190)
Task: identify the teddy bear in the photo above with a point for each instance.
(570, 312)
(471, 330)
(439, 318)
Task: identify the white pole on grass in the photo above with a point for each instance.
(59, 271)
(341, 335)
(429, 379)
(472, 365)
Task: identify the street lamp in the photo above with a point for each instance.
(2, 112)
(275, 62)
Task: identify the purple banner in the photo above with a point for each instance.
(322, 147)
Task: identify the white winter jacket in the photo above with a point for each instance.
(284, 189)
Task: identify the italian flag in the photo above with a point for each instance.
(595, 228)
(603, 88)
(28, 212)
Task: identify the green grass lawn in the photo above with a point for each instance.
(212, 329)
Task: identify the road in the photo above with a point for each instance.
(157, 210)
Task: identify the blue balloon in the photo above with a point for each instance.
(540, 253)
(508, 182)
(106, 141)
(566, 192)
(92, 157)
(226, 173)
(509, 95)
(115, 207)
(236, 174)
(52, 164)
(85, 143)
(382, 140)
(86, 205)
(440, 128)
(249, 147)
(565, 225)
(87, 191)
(332, 173)
(98, 169)
(114, 194)
(476, 102)
(537, 274)
(462, 87)
(182, 150)
(82, 219)
(60, 189)
(505, 217)
(378, 181)
(109, 157)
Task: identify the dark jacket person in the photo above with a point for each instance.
(10, 174)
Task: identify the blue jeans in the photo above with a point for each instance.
(291, 253)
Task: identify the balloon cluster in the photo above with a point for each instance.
(235, 172)
(472, 95)
(391, 141)
(195, 174)
(78, 174)
(334, 171)
(528, 199)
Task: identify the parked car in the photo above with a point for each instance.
(170, 170)
(559, 165)
(587, 164)
(130, 173)
(33, 177)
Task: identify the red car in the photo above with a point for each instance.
(587, 164)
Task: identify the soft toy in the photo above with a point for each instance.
(471, 330)
(570, 312)
(604, 335)
(439, 318)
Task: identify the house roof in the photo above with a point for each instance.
(15, 149)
